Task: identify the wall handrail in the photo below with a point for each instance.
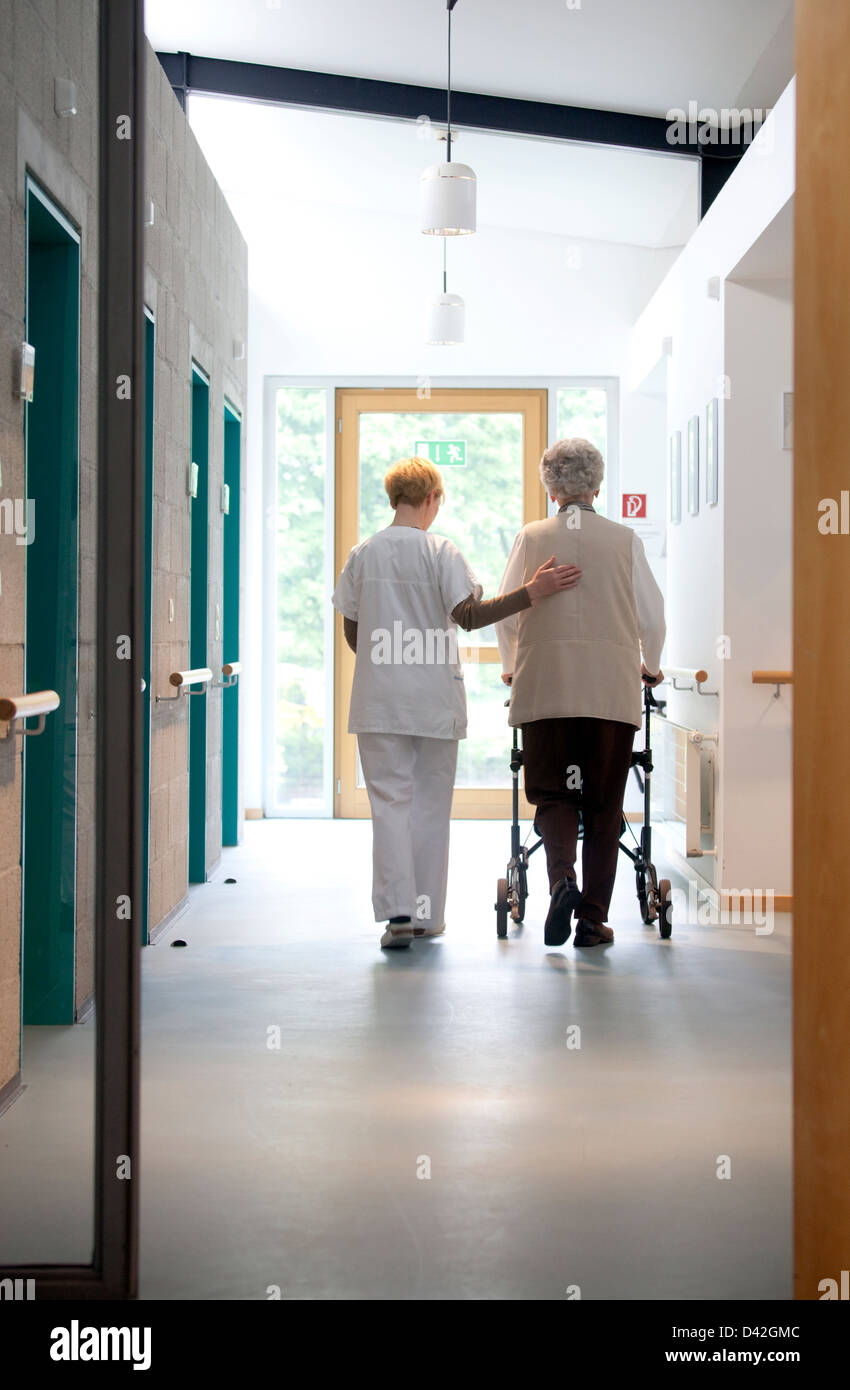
(197, 675)
(777, 678)
(696, 677)
(37, 702)
(230, 670)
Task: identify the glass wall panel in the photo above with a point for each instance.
(303, 668)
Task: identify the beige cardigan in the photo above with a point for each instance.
(578, 654)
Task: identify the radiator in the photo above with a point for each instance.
(683, 782)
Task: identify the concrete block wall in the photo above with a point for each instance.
(196, 287)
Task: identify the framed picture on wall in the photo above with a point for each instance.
(693, 465)
(676, 478)
(711, 452)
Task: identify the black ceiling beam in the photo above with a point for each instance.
(365, 96)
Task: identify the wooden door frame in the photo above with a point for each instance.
(821, 578)
(530, 401)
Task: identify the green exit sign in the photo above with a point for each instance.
(445, 453)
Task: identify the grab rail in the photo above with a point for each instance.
(38, 702)
(696, 676)
(777, 678)
(183, 679)
(230, 671)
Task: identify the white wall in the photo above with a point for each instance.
(738, 345)
(755, 729)
(341, 292)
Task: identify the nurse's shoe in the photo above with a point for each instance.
(430, 931)
(399, 933)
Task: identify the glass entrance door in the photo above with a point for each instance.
(487, 445)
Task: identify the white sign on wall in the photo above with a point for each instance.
(652, 533)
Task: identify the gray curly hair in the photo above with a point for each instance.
(571, 468)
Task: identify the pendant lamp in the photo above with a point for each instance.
(447, 191)
(446, 316)
(446, 320)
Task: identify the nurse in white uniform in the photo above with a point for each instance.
(402, 595)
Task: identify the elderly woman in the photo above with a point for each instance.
(575, 669)
(403, 593)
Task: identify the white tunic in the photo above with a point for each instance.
(400, 587)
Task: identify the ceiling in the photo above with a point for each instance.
(580, 192)
(642, 56)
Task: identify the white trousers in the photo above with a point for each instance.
(410, 781)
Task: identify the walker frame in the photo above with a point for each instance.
(654, 898)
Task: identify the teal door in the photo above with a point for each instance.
(230, 630)
(51, 430)
(198, 600)
(150, 362)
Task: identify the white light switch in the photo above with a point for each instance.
(786, 420)
(64, 97)
(26, 383)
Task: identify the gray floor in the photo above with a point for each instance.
(47, 1150)
(550, 1166)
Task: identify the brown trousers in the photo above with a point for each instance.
(571, 765)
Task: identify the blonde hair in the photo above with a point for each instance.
(411, 480)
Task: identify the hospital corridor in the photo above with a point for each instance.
(423, 755)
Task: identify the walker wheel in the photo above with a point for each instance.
(518, 894)
(665, 915)
(501, 906)
(647, 914)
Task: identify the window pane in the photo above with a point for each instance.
(301, 668)
(484, 757)
(583, 413)
(482, 511)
